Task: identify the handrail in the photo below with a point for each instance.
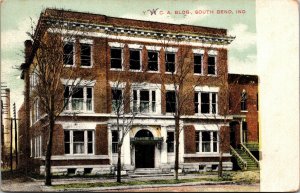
(250, 154)
(239, 158)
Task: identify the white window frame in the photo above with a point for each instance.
(210, 90)
(122, 59)
(210, 142)
(90, 43)
(70, 109)
(71, 143)
(147, 87)
(175, 61)
(157, 50)
(122, 91)
(112, 142)
(140, 55)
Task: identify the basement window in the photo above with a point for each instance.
(88, 170)
(214, 167)
(71, 171)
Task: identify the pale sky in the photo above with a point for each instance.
(16, 16)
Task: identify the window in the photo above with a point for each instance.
(211, 66)
(170, 101)
(206, 141)
(244, 101)
(208, 102)
(80, 100)
(152, 61)
(85, 54)
(37, 147)
(198, 63)
(35, 111)
(67, 141)
(79, 142)
(135, 62)
(197, 140)
(170, 141)
(116, 58)
(170, 62)
(144, 101)
(114, 141)
(68, 53)
(117, 100)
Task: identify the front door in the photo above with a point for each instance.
(144, 156)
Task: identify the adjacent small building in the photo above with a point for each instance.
(135, 53)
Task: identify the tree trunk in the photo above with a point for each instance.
(49, 152)
(220, 167)
(119, 164)
(176, 166)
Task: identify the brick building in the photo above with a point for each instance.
(135, 54)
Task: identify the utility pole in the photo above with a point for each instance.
(16, 134)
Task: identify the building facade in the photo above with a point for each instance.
(136, 61)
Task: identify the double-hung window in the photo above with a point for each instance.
(114, 141)
(170, 141)
(115, 58)
(207, 104)
(135, 59)
(144, 101)
(79, 141)
(117, 100)
(68, 53)
(170, 101)
(211, 65)
(170, 62)
(79, 99)
(85, 54)
(206, 141)
(152, 61)
(198, 63)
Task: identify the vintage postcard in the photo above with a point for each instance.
(193, 96)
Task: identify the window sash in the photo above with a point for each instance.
(82, 100)
(68, 56)
(211, 66)
(170, 62)
(74, 146)
(152, 61)
(209, 144)
(198, 63)
(85, 54)
(144, 101)
(135, 60)
(170, 101)
(116, 58)
(208, 102)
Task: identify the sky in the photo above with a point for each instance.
(17, 16)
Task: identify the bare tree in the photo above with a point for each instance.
(52, 82)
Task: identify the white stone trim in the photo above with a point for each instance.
(136, 39)
(208, 127)
(209, 154)
(153, 48)
(206, 89)
(78, 82)
(120, 85)
(135, 46)
(170, 87)
(77, 157)
(212, 52)
(116, 44)
(198, 51)
(171, 50)
(86, 41)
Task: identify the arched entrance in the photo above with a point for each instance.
(144, 152)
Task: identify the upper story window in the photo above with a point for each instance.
(198, 63)
(135, 59)
(207, 141)
(144, 101)
(69, 53)
(170, 101)
(152, 61)
(211, 65)
(170, 62)
(115, 58)
(35, 111)
(117, 100)
(79, 141)
(244, 101)
(205, 102)
(80, 99)
(85, 54)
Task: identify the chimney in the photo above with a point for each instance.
(28, 49)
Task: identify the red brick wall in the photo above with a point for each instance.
(101, 138)
(204, 159)
(189, 139)
(58, 147)
(225, 139)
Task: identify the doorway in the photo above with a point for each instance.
(144, 152)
